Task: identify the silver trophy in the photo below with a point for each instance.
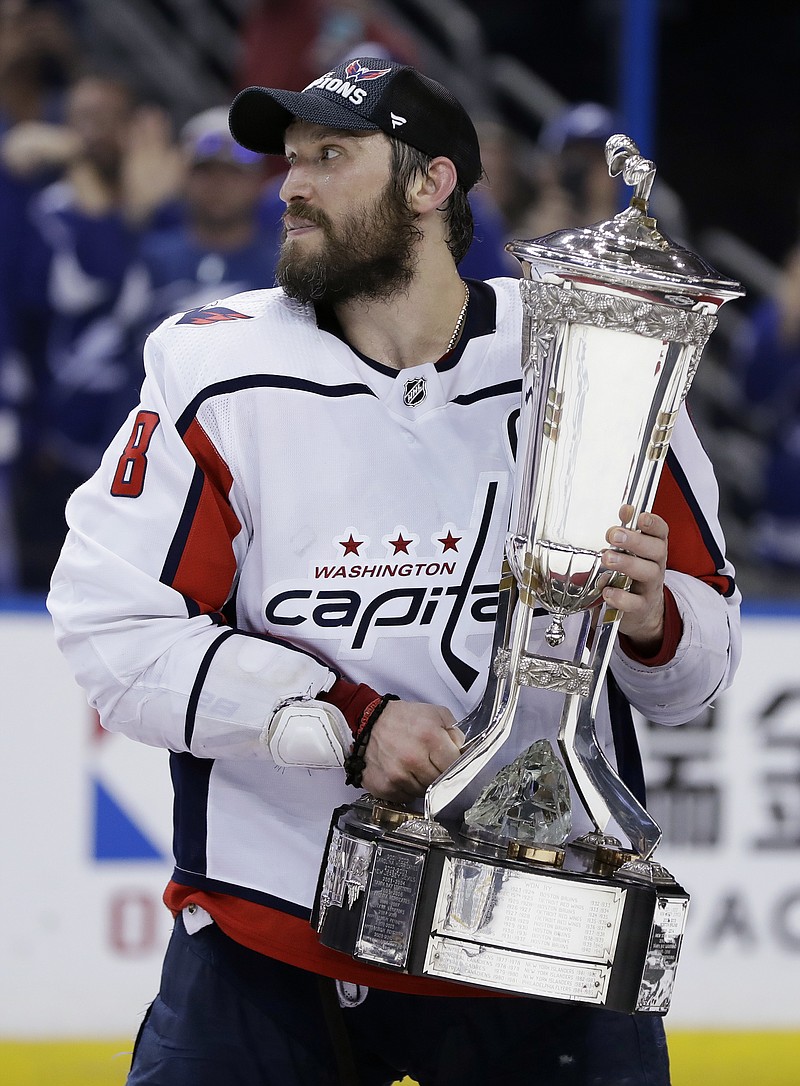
(616, 317)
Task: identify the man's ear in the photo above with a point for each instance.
(431, 190)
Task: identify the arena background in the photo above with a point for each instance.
(709, 89)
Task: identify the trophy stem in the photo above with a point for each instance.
(602, 791)
(477, 752)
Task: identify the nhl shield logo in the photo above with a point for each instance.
(414, 392)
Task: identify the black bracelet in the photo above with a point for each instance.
(354, 763)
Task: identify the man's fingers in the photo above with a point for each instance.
(447, 747)
(410, 745)
(443, 755)
(642, 554)
(645, 544)
(641, 571)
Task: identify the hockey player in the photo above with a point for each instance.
(306, 515)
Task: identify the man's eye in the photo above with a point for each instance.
(329, 153)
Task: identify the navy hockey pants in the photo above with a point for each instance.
(226, 1016)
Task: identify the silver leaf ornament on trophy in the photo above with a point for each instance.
(615, 319)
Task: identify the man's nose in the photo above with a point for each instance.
(296, 184)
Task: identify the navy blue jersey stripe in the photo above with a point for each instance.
(512, 429)
(626, 745)
(481, 320)
(273, 640)
(266, 380)
(197, 880)
(192, 606)
(506, 388)
(706, 534)
(190, 780)
(178, 544)
(464, 672)
(197, 689)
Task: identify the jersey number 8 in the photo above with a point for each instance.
(129, 476)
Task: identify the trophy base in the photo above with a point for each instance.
(421, 898)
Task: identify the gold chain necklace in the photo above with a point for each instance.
(459, 322)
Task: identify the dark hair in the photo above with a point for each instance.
(407, 162)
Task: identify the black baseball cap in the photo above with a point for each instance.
(366, 94)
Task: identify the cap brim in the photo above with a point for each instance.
(259, 117)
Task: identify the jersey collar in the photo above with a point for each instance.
(481, 320)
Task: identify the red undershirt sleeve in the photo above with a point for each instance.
(351, 699)
(673, 629)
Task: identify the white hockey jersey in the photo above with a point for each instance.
(345, 517)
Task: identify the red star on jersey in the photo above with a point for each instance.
(350, 545)
(401, 544)
(449, 543)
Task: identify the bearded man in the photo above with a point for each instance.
(295, 540)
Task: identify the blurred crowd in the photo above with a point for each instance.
(114, 216)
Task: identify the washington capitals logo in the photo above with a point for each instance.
(356, 71)
(213, 314)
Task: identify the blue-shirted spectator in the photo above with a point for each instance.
(39, 53)
(767, 364)
(79, 287)
(221, 246)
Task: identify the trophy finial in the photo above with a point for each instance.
(622, 156)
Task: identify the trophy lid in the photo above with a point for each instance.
(627, 250)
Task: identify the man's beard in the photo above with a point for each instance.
(371, 254)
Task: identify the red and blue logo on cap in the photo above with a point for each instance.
(356, 71)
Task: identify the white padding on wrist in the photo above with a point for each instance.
(309, 733)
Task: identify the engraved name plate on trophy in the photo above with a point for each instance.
(615, 318)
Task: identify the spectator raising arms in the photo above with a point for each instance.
(81, 290)
(220, 247)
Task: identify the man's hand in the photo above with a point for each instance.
(643, 558)
(152, 168)
(33, 146)
(410, 745)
